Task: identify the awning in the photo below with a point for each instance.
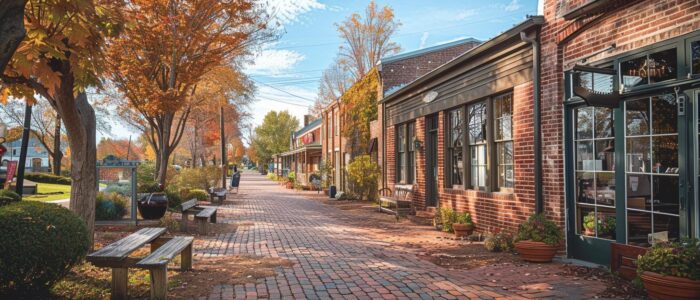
(302, 149)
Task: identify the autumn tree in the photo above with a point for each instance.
(60, 58)
(167, 49)
(334, 82)
(121, 148)
(366, 39)
(273, 135)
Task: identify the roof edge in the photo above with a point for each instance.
(419, 52)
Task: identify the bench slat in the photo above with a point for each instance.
(166, 253)
(122, 248)
(206, 213)
(188, 204)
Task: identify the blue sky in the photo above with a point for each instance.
(287, 72)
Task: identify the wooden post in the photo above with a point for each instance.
(183, 222)
(186, 259)
(120, 278)
(202, 226)
(159, 283)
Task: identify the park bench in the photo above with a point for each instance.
(203, 215)
(218, 193)
(163, 250)
(398, 202)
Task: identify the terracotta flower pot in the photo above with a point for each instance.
(289, 185)
(589, 232)
(535, 251)
(462, 230)
(670, 287)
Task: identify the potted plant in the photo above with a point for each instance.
(607, 227)
(291, 178)
(589, 221)
(152, 206)
(538, 239)
(671, 270)
(463, 225)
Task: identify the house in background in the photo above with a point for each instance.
(37, 155)
(394, 73)
(304, 155)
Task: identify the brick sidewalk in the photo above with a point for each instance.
(332, 261)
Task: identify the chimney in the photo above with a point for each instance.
(307, 119)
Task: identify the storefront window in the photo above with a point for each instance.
(477, 144)
(504, 139)
(695, 57)
(456, 140)
(656, 67)
(401, 151)
(594, 148)
(652, 169)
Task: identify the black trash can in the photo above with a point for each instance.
(332, 191)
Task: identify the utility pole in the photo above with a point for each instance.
(224, 165)
(21, 166)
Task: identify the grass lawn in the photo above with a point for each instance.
(49, 192)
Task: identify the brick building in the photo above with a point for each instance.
(395, 72)
(620, 84)
(304, 155)
(462, 134)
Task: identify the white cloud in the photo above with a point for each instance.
(465, 14)
(273, 62)
(423, 40)
(289, 11)
(512, 6)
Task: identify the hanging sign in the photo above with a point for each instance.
(595, 86)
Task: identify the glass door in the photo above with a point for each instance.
(431, 167)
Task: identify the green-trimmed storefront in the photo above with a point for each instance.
(632, 171)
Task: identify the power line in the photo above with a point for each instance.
(280, 101)
(283, 91)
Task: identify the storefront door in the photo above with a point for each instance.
(630, 176)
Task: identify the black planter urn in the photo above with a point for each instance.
(332, 191)
(153, 206)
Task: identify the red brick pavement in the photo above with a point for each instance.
(333, 262)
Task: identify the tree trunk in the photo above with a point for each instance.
(12, 29)
(163, 156)
(57, 154)
(80, 125)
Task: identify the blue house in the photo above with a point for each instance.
(37, 155)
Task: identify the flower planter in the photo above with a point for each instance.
(670, 287)
(535, 251)
(589, 232)
(153, 206)
(462, 230)
(289, 185)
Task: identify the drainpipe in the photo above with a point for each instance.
(533, 40)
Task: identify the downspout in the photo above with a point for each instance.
(536, 82)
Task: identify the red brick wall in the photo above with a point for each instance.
(406, 70)
(491, 211)
(629, 27)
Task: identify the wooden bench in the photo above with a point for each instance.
(116, 256)
(157, 263)
(399, 202)
(217, 193)
(202, 214)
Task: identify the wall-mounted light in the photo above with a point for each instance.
(417, 144)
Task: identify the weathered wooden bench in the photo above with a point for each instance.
(202, 215)
(217, 193)
(163, 250)
(399, 202)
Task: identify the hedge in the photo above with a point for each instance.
(48, 178)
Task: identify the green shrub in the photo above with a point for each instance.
(174, 200)
(362, 176)
(448, 217)
(39, 244)
(110, 206)
(47, 178)
(499, 242)
(197, 178)
(200, 195)
(464, 218)
(538, 229)
(272, 176)
(8, 197)
(291, 177)
(149, 188)
(146, 174)
(680, 259)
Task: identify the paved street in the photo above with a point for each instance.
(331, 260)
